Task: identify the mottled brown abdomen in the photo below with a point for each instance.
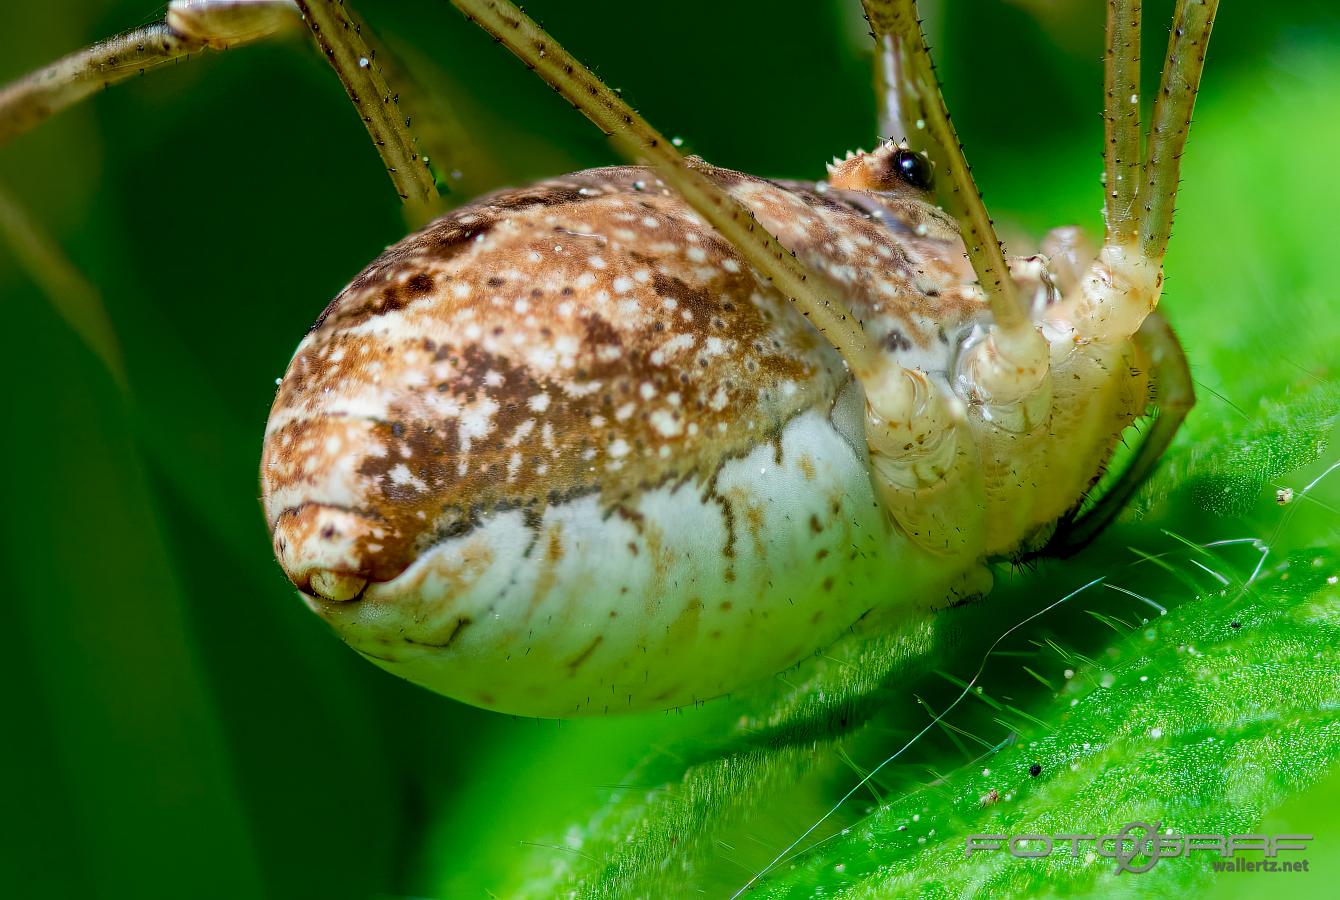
(588, 341)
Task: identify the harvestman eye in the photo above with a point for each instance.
(914, 169)
(633, 437)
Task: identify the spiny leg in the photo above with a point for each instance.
(1125, 282)
(1193, 21)
(1010, 369)
(190, 26)
(1121, 121)
(895, 24)
(1174, 395)
(894, 123)
(639, 140)
(465, 167)
(1122, 289)
(339, 32)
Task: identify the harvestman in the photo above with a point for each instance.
(635, 436)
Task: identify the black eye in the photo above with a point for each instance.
(913, 168)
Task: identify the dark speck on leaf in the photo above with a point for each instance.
(1035, 770)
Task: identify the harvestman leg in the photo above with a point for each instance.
(1012, 366)
(636, 138)
(188, 28)
(914, 96)
(1121, 121)
(339, 32)
(1138, 208)
(192, 26)
(1192, 22)
(894, 123)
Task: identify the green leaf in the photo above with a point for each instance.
(1201, 721)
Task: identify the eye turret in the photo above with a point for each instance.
(891, 167)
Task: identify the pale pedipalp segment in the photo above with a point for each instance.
(1125, 282)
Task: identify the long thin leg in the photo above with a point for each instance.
(1192, 22)
(1126, 281)
(465, 168)
(339, 32)
(902, 106)
(1174, 395)
(587, 93)
(894, 123)
(1011, 367)
(1121, 121)
(189, 28)
(897, 28)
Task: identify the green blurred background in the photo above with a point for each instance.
(178, 723)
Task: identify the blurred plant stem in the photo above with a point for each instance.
(69, 293)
